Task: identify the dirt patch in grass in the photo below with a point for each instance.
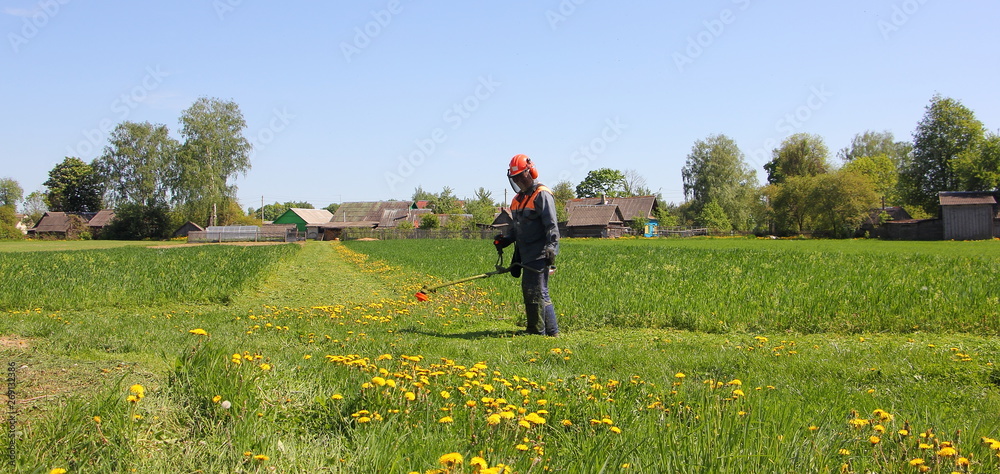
(12, 341)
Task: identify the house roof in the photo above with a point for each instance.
(969, 198)
(638, 207)
(313, 216)
(894, 213)
(52, 221)
(369, 211)
(591, 215)
(102, 218)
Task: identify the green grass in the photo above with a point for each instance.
(334, 327)
(727, 285)
(58, 245)
(131, 276)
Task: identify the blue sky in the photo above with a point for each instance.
(366, 100)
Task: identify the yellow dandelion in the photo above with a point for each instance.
(493, 419)
(478, 463)
(446, 419)
(364, 419)
(97, 419)
(337, 396)
(58, 470)
(947, 452)
(524, 424)
(138, 390)
(198, 332)
(410, 396)
(521, 447)
(445, 394)
(679, 375)
(451, 459)
(738, 393)
(470, 403)
(567, 423)
(962, 462)
(813, 428)
(535, 418)
(378, 381)
(844, 452)
(217, 399)
(874, 439)
(262, 457)
(265, 366)
(616, 430)
(916, 462)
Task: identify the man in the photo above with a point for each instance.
(535, 235)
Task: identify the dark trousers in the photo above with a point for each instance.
(537, 304)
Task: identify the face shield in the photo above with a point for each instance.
(514, 179)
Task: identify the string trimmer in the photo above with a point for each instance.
(500, 269)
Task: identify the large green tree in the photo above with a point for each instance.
(445, 202)
(73, 186)
(882, 172)
(839, 201)
(801, 154)
(946, 146)
(980, 170)
(137, 163)
(871, 143)
(716, 171)
(562, 193)
(482, 207)
(214, 152)
(10, 192)
(606, 181)
(8, 224)
(34, 205)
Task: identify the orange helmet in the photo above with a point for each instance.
(521, 163)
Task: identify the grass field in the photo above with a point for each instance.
(710, 355)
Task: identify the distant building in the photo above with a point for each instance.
(633, 209)
(968, 215)
(308, 221)
(70, 225)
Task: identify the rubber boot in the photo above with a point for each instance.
(549, 314)
(535, 323)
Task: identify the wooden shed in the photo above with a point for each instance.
(308, 221)
(967, 215)
(188, 228)
(603, 221)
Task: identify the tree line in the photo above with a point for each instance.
(951, 151)
(156, 183)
